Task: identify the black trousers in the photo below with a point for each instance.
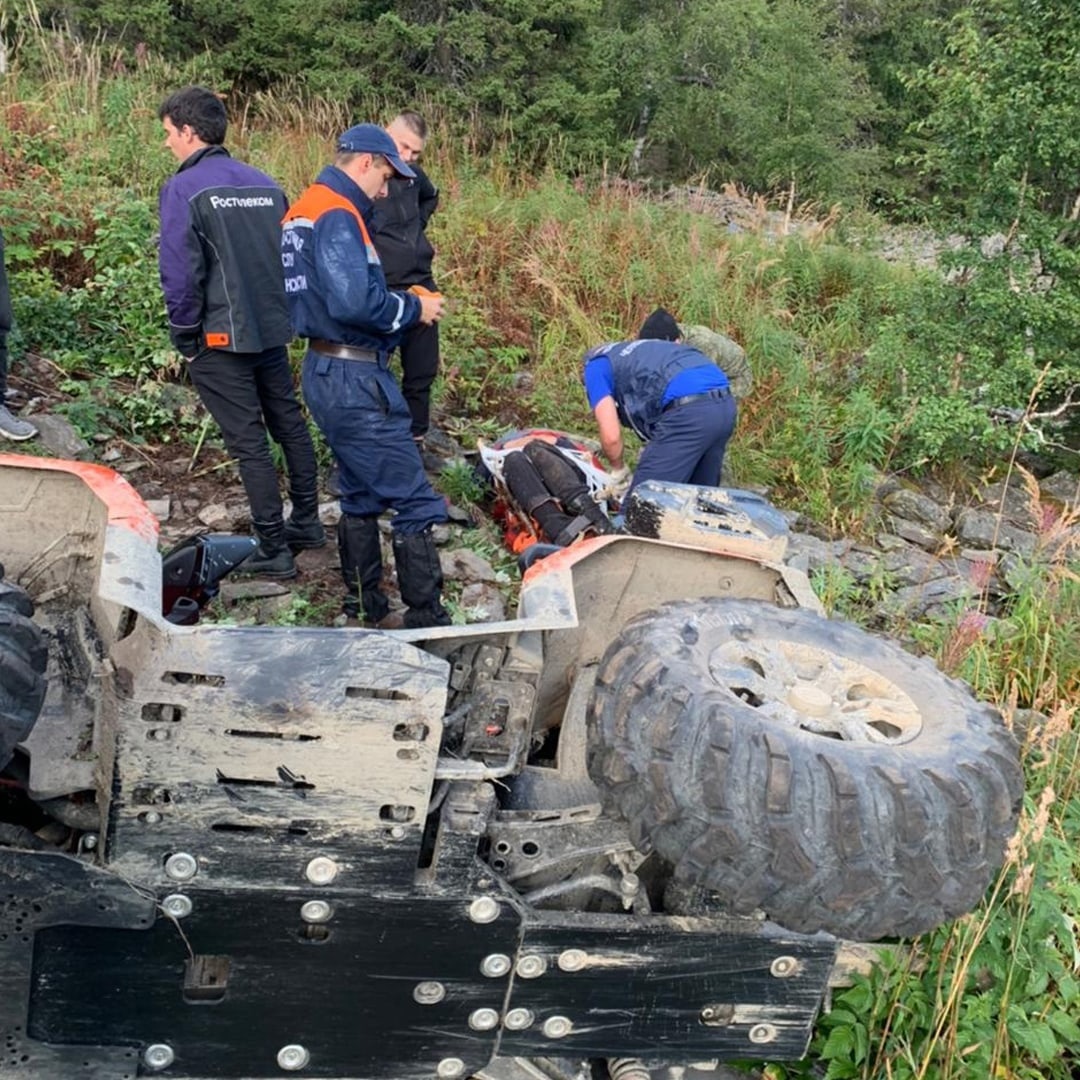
(419, 366)
(250, 395)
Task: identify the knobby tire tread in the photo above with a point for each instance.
(859, 840)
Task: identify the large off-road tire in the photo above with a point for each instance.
(799, 766)
(23, 658)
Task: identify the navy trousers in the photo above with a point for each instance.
(361, 412)
(688, 444)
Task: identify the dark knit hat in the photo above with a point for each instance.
(660, 326)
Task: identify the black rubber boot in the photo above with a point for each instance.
(303, 529)
(586, 506)
(567, 483)
(272, 558)
(361, 570)
(420, 577)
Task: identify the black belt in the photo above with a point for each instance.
(343, 352)
(687, 399)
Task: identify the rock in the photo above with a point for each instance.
(215, 516)
(329, 511)
(432, 462)
(445, 446)
(891, 542)
(1012, 500)
(461, 564)
(59, 437)
(483, 602)
(440, 534)
(129, 467)
(919, 508)
(110, 455)
(253, 589)
(809, 553)
(268, 607)
(1064, 487)
(160, 508)
(912, 567)
(458, 516)
(981, 529)
(862, 563)
(917, 601)
(914, 533)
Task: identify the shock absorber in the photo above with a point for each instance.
(627, 1069)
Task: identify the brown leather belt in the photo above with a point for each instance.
(343, 352)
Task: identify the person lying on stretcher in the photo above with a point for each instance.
(550, 489)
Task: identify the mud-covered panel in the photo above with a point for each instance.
(227, 740)
(721, 519)
(384, 987)
(666, 990)
(620, 577)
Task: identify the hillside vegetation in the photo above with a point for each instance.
(861, 366)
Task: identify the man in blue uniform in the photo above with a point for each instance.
(221, 274)
(340, 301)
(675, 398)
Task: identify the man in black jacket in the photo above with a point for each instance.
(221, 272)
(399, 223)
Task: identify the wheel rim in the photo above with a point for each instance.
(802, 686)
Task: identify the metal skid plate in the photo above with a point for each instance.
(384, 987)
(666, 990)
(253, 749)
(39, 890)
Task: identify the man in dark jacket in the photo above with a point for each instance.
(11, 426)
(399, 222)
(220, 263)
(675, 398)
(339, 301)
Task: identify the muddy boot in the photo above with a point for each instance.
(361, 570)
(567, 483)
(272, 558)
(420, 577)
(303, 529)
(584, 505)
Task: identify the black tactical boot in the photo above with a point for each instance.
(303, 529)
(586, 506)
(361, 570)
(420, 577)
(566, 482)
(272, 558)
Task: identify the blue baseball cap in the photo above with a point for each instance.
(372, 139)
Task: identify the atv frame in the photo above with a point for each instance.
(352, 854)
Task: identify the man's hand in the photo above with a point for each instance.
(431, 304)
(620, 482)
(431, 309)
(617, 486)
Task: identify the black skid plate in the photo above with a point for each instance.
(389, 985)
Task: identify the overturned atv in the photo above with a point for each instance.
(604, 835)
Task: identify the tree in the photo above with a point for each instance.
(1001, 139)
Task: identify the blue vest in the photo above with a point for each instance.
(642, 371)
